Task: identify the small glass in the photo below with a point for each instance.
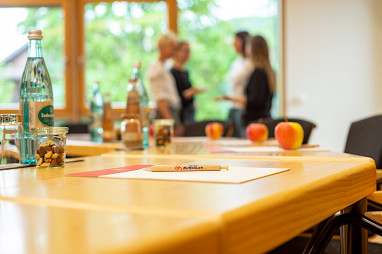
(163, 132)
(11, 132)
(131, 131)
(50, 146)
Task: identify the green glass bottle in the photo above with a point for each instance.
(143, 103)
(96, 114)
(36, 95)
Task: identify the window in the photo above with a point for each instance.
(117, 35)
(14, 50)
(99, 40)
(210, 26)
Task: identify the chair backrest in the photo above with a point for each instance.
(306, 125)
(197, 129)
(365, 138)
(76, 127)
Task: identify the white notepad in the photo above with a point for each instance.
(229, 142)
(233, 175)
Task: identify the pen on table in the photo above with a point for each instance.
(178, 168)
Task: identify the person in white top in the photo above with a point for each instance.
(238, 76)
(162, 84)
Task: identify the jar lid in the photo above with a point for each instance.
(50, 130)
(35, 34)
(11, 118)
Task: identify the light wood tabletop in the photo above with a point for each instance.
(256, 216)
(200, 147)
(45, 229)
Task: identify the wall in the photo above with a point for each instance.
(333, 64)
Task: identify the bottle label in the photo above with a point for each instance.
(41, 114)
(46, 115)
(95, 120)
(132, 105)
(131, 136)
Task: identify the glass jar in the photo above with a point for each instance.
(50, 146)
(163, 132)
(131, 131)
(11, 132)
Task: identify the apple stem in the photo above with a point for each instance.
(285, 119)
(260, 120)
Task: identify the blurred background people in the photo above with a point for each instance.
(257, 101)
(238, 77)
(162, 84)
(261, 84)
(183, 84)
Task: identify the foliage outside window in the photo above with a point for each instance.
(209, 26)
(13, 56)
(117, 35)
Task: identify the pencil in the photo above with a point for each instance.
(179, 168)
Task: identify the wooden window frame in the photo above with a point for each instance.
(48, 3)
(74, 50)
(172, 10)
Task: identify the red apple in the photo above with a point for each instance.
(214, 130)
(257, 132)
(289, 135)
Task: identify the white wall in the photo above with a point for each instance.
(333, 64)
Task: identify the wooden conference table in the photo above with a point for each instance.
(43, 211)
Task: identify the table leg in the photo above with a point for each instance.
(353, 237)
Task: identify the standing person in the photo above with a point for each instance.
(185, 89)
(162, 84)
(238, 76)
(261, 85)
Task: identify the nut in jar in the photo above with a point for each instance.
(50, 146)
(163, 129)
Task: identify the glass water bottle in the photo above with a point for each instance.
(36, 95)
(96, 114)
(143, 103)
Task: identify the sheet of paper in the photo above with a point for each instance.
(240, 142)
(228, 142)
(233, 175)
(189, 139)
(260, 149)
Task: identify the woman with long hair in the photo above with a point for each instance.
(238, 76)
(261, 85)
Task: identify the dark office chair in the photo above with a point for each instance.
(365, 139)
(306, 125)
(197, 129)
(76, 127)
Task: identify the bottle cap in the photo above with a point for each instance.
(35, 34)
(137, 64)
(132, 80)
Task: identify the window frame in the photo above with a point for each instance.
(172, 10)
(74, 51)
(51, 3)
